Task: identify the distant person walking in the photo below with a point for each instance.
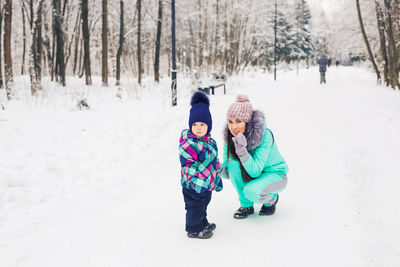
(337, 63)
(322, 62)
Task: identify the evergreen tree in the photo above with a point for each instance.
(304, 47)
(285, 39)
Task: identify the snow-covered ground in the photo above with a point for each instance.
(101, 187)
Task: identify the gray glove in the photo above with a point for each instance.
(224, 173)
(240, 143)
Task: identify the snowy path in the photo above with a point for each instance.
(101, 187)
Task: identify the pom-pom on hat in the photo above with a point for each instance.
(241, 109)
(200, 111)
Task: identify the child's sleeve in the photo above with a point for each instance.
(188, 159)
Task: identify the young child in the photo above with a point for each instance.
(200, 167)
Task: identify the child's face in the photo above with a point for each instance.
(236, 126)
(199, 129)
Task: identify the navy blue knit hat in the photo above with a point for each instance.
(200, 111)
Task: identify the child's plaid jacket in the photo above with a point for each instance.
(200, 168)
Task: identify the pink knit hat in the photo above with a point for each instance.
(241, 109)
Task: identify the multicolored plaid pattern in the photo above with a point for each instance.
(200, 168)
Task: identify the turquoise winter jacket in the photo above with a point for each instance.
(264, 154)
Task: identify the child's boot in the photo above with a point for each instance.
(210, 227)
(201, 235)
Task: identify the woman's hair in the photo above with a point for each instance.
(231, 150)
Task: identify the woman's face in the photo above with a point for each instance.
(199, 129)
(236, 126)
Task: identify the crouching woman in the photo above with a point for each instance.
(252, 160)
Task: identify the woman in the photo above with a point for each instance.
(252, 160)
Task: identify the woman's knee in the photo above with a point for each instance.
(261, 190)
(251, 194)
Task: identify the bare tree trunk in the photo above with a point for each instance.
(216, 49)
(33, 53)
(232, 45)
(32, 14)
(200, 37)
(205, 37)
(77, 39)
(174, 94)
(382, 38)
(80, 67)
(194, 44)
(46, 41)
(53, 53)
(1, 31)
(73, 39)
(8, 73)
(59, 33)
(158, 43)
(393, 67)
(64, 8)
(364, 34)
(242, 32)
(148, 60)
(86, 42)
(39, 41)
(188, 57)
(225, 63)
(23, 40)
(169, 61)
(121, 42)
(139, 49)
(104, 64)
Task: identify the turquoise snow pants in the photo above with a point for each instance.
(263, 189)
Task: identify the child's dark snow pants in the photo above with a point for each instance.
(196, 209)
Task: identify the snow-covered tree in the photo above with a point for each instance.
(8, 64)
(286, 42)
(303, 39)
(221, 35)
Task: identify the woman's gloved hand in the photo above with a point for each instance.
(240, 143)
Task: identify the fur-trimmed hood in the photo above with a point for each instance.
(254, 130)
